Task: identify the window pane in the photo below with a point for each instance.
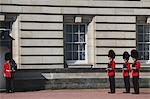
(82, 47)
(69, 56)
(75, 55)
(68, 28)
(141, 55)
(75, 37)
(147, 37)
(75, 28)
(146, 55)
(68, 47)
(146, 47)
(140, 47)
(75, 47)
(140, 38)
(82, 55)
(82, 28)
(140, 28)
(82, 38)
(146, 29)
(69, 37)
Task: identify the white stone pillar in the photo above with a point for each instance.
(16, 42)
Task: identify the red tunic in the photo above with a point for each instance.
(111, 68)
(127, 66)
(136, 65)
(7, 67)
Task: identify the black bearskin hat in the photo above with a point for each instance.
(134, 54)
(126, 55)
(8, 56)
(111, 54)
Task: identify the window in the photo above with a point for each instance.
(144, 41)
(75, 42)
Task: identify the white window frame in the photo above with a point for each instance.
(144, 61)
(77, 61)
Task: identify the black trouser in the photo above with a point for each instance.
(112, 83)
(127, 83)
(136, 84)
(9, 84)
(12, 81)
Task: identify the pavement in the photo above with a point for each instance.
(77, 94)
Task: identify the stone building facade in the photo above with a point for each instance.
(59, 41)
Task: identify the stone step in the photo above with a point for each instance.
(85, 75)
(70, 78)
(76, 83)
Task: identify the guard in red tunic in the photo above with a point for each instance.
(135, 71)
(126, 70)
(7, 75)
(111, 71)
(8, 71)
